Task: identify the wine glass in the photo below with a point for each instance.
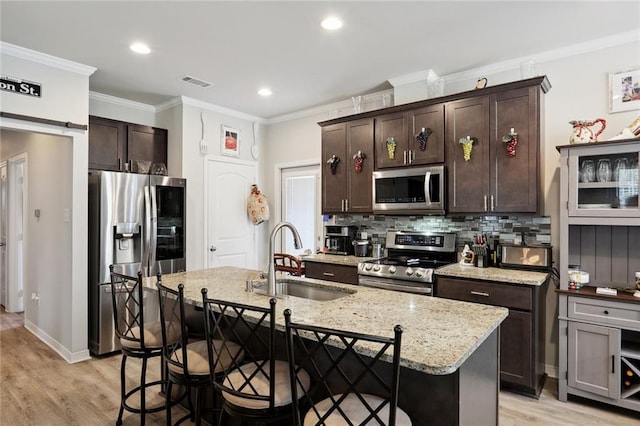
(604, 170)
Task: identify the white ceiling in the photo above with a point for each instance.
(240, 46)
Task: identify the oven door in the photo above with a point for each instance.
(397, 285)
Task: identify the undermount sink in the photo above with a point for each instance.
(303, 290)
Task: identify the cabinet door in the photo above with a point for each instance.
(516, 349)
(107, 141)
(514, 180)
(592, 355)
(394, 126)
(467, 181)
(360, 139)
(431, 117)
(146, 143)
(334, 185)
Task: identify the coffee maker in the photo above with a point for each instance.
(338, 239)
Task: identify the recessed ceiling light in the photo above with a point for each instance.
(265, 91)
(140, 48)
(331, 23)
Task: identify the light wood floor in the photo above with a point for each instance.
(38, 388)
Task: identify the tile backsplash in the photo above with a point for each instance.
(509, 229)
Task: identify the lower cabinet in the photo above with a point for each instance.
(602, 350)
(522, 342)
(331, 272)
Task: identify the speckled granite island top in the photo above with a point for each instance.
(512, 276)
(439, 334)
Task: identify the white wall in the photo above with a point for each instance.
(61, 322)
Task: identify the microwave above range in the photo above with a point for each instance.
(415, 190)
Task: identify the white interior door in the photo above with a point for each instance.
(3, 234)
(301, 207)
(230, 233)
(16, 224)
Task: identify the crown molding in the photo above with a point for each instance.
(44, 59)
(121, 102)
(184, 100)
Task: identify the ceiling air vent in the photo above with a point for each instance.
(195, 81)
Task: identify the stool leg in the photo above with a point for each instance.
(168, 402)
(198, 409)
(143, 397)
(123, 379)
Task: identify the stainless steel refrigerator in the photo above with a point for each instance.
(137, 223)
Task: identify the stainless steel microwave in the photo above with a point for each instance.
(412, 190)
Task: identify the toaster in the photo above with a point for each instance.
(525, 256)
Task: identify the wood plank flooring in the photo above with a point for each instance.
(38, 388)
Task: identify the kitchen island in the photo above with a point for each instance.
(450, 349)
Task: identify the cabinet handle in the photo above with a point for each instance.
(342, 205)
(613, 364)
(492, 204)
(328, 274)
(404, 157)
(485, 203)
(119, 164)
(480, 293)
(346, 205)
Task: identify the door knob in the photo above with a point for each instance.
(213, 248)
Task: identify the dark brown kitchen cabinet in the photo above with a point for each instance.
(491, 180)
(522, 342)
(115, 144)
(345, 187)
(404, 127)
(331, 272)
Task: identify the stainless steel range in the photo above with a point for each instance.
(411, 258)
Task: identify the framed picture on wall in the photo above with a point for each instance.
(624, 91)
(230, 142)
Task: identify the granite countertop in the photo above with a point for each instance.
(512, 276)
(439, 334)
(336, 259)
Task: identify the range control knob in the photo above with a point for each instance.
(409, 271)
(419, 273)
(368, 267)
(392, 269)
(376, 268)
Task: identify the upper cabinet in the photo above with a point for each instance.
(117, 145)
(492, 148)
(410, 138)
(602, 179)
(347, 166)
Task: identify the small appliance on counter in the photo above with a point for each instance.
(535, 257)
(361, 248)
(338, 239)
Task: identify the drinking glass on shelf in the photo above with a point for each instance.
(587, 171)
(619, 166)
(604, 170)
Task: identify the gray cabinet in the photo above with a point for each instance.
(599, 336)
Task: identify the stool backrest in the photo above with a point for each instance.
(174, 327)
(288, 263)
(128, 307)
(343, 363)
(253, 328)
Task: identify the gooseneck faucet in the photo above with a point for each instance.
(297, 242)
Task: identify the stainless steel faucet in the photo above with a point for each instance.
(297, 242)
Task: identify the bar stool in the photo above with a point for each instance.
(347, 386)
(255, 388)
(187, 363)
(139, 339)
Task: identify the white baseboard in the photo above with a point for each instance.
(70, 357)
(551, 370)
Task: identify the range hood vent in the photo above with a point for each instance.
(196, 81)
